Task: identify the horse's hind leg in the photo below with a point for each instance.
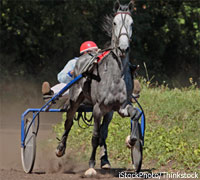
(105, 164)
(95, 139)
(60, 150)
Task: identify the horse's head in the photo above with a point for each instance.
(122, 27)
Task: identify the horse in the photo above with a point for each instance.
(109, 91)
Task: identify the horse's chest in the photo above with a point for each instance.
(111, 90)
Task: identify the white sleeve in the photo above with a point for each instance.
(64, 75)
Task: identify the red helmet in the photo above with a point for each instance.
(88, 46)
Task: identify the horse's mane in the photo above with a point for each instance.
(107, 24)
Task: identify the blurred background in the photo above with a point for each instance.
(39, 37)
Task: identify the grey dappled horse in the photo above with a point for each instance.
(110, 91)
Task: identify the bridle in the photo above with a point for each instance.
(123, 24)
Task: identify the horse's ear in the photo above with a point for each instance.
(131, 5)
(116, 6)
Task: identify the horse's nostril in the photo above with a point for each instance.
(127, 49)
(124, 50)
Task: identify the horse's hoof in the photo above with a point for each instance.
(90, 172)
(133, 167)
(106, 166)
(128, 141)
(60, 150)
(59, 153)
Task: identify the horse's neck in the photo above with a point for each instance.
(124, 61)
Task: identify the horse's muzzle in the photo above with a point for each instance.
(123, 51)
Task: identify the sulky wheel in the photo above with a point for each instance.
(28, 152)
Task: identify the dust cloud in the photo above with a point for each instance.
(15, 98)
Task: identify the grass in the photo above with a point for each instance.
(172, 137)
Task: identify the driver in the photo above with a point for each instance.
(66, 75)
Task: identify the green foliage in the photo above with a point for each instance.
(166, 37)
(39, 37)
(172, 132)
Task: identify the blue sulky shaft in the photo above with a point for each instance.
(43, 109)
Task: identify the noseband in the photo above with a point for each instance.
(123, 24)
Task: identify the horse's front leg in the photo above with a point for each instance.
(134, 114)
(95, 140)
(105, 164)
(60, 150)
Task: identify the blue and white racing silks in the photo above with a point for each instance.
(64, 76)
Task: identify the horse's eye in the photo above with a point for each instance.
(114, 24)
(131, 24)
